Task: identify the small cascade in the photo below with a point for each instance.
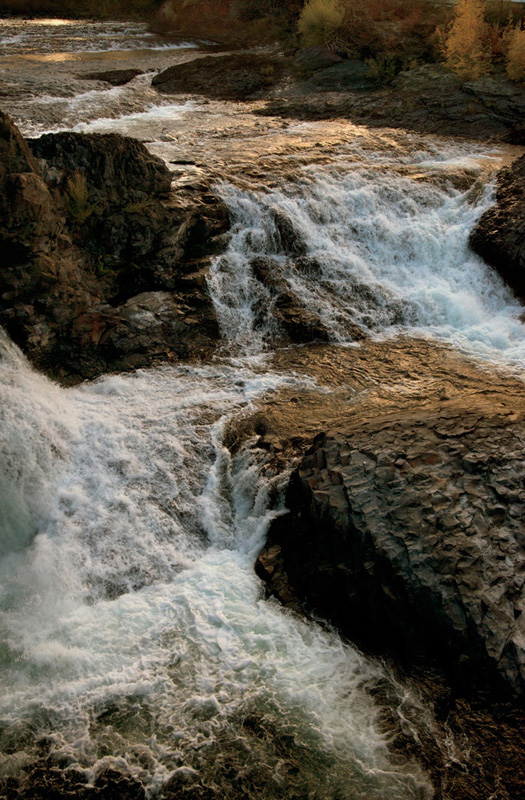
(134, 632)
(36, 429)
(359, 246)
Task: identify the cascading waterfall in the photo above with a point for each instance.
(134, 614)
(134, 631)
(375, 248)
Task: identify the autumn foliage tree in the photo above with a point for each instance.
(516, 56)
(467, 51)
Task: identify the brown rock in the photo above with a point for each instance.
(116, 77)
(86, 227)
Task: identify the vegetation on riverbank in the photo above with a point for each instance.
(470, 36)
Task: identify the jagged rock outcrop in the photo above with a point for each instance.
(427, 99)
(103, 266)
(499, 236)
(299, 324)
(405, 526)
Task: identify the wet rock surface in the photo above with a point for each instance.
(229, 77)
(116, 77)
(499, 236)
(87, 223)
(405, 522)
(426, 99)
(298, 323)
(405, 530)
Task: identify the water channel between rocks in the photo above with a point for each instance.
(134, 631)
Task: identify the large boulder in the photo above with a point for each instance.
(231, 77)
(499, 236)
(405, 521)
(87, 223)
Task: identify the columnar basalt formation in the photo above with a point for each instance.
(405, 521)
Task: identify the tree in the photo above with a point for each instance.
(466, 46)
(516, 56)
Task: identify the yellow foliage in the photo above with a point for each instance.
(77, 198)
(466, 49)
(516, 56)
(319, 20)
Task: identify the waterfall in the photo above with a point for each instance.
(369, 247)
(134, 632)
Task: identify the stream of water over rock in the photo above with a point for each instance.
(134, 632)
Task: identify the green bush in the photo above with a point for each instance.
(383, 69)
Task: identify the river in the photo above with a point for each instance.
(134, 632)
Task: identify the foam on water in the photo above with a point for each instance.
(134, 632)
(381, 248)
(134, 109)
(136, 596)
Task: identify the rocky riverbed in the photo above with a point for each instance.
(297, 309)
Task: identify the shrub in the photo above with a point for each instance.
(516, 56)
(320, 20)
(467, 47)
(76, 198)
(382, 70)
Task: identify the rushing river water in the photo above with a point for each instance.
(134, 632)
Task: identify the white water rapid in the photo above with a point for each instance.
(134, 632)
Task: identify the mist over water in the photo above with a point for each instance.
(134, 631)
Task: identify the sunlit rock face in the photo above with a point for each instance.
(405, 520)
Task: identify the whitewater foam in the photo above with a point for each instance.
(383, 250)
(137, 594)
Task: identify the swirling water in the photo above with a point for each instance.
(134, 630)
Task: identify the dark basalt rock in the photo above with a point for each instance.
(116, 77)
(300, 324)
(87, 223)
(311, 59)
(499, 236)
(230, 77)
(348, 74)
(289, 239)
(407, 533)
(427, 99)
